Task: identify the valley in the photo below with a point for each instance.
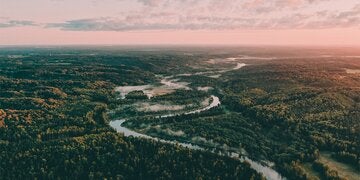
(180, 113)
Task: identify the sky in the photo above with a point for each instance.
(240, 22)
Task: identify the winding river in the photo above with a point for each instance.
(268, 172)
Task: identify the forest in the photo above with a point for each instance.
(298, 108)
(54, 122)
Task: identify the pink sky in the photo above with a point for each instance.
(272, 22)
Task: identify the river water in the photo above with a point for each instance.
(268, 172)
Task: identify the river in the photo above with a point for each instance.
(268, 172)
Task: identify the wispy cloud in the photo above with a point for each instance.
(143, 15)
(176, 21)
(252, 4)
(328, 19)
(16, 23)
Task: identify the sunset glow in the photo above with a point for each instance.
(275, 22)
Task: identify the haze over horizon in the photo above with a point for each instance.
(208, 22)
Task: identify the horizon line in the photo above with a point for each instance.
(186, 45)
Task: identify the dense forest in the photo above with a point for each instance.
(54, 123)
(296, 107)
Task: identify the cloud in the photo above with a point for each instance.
(344, 19)
(255, 2)
(16, 23)
(138, 21)
(161, 21)
(211, 15)
(226, 4)
(151, 2)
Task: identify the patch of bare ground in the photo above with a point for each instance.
(344, 170)
(352, 71)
